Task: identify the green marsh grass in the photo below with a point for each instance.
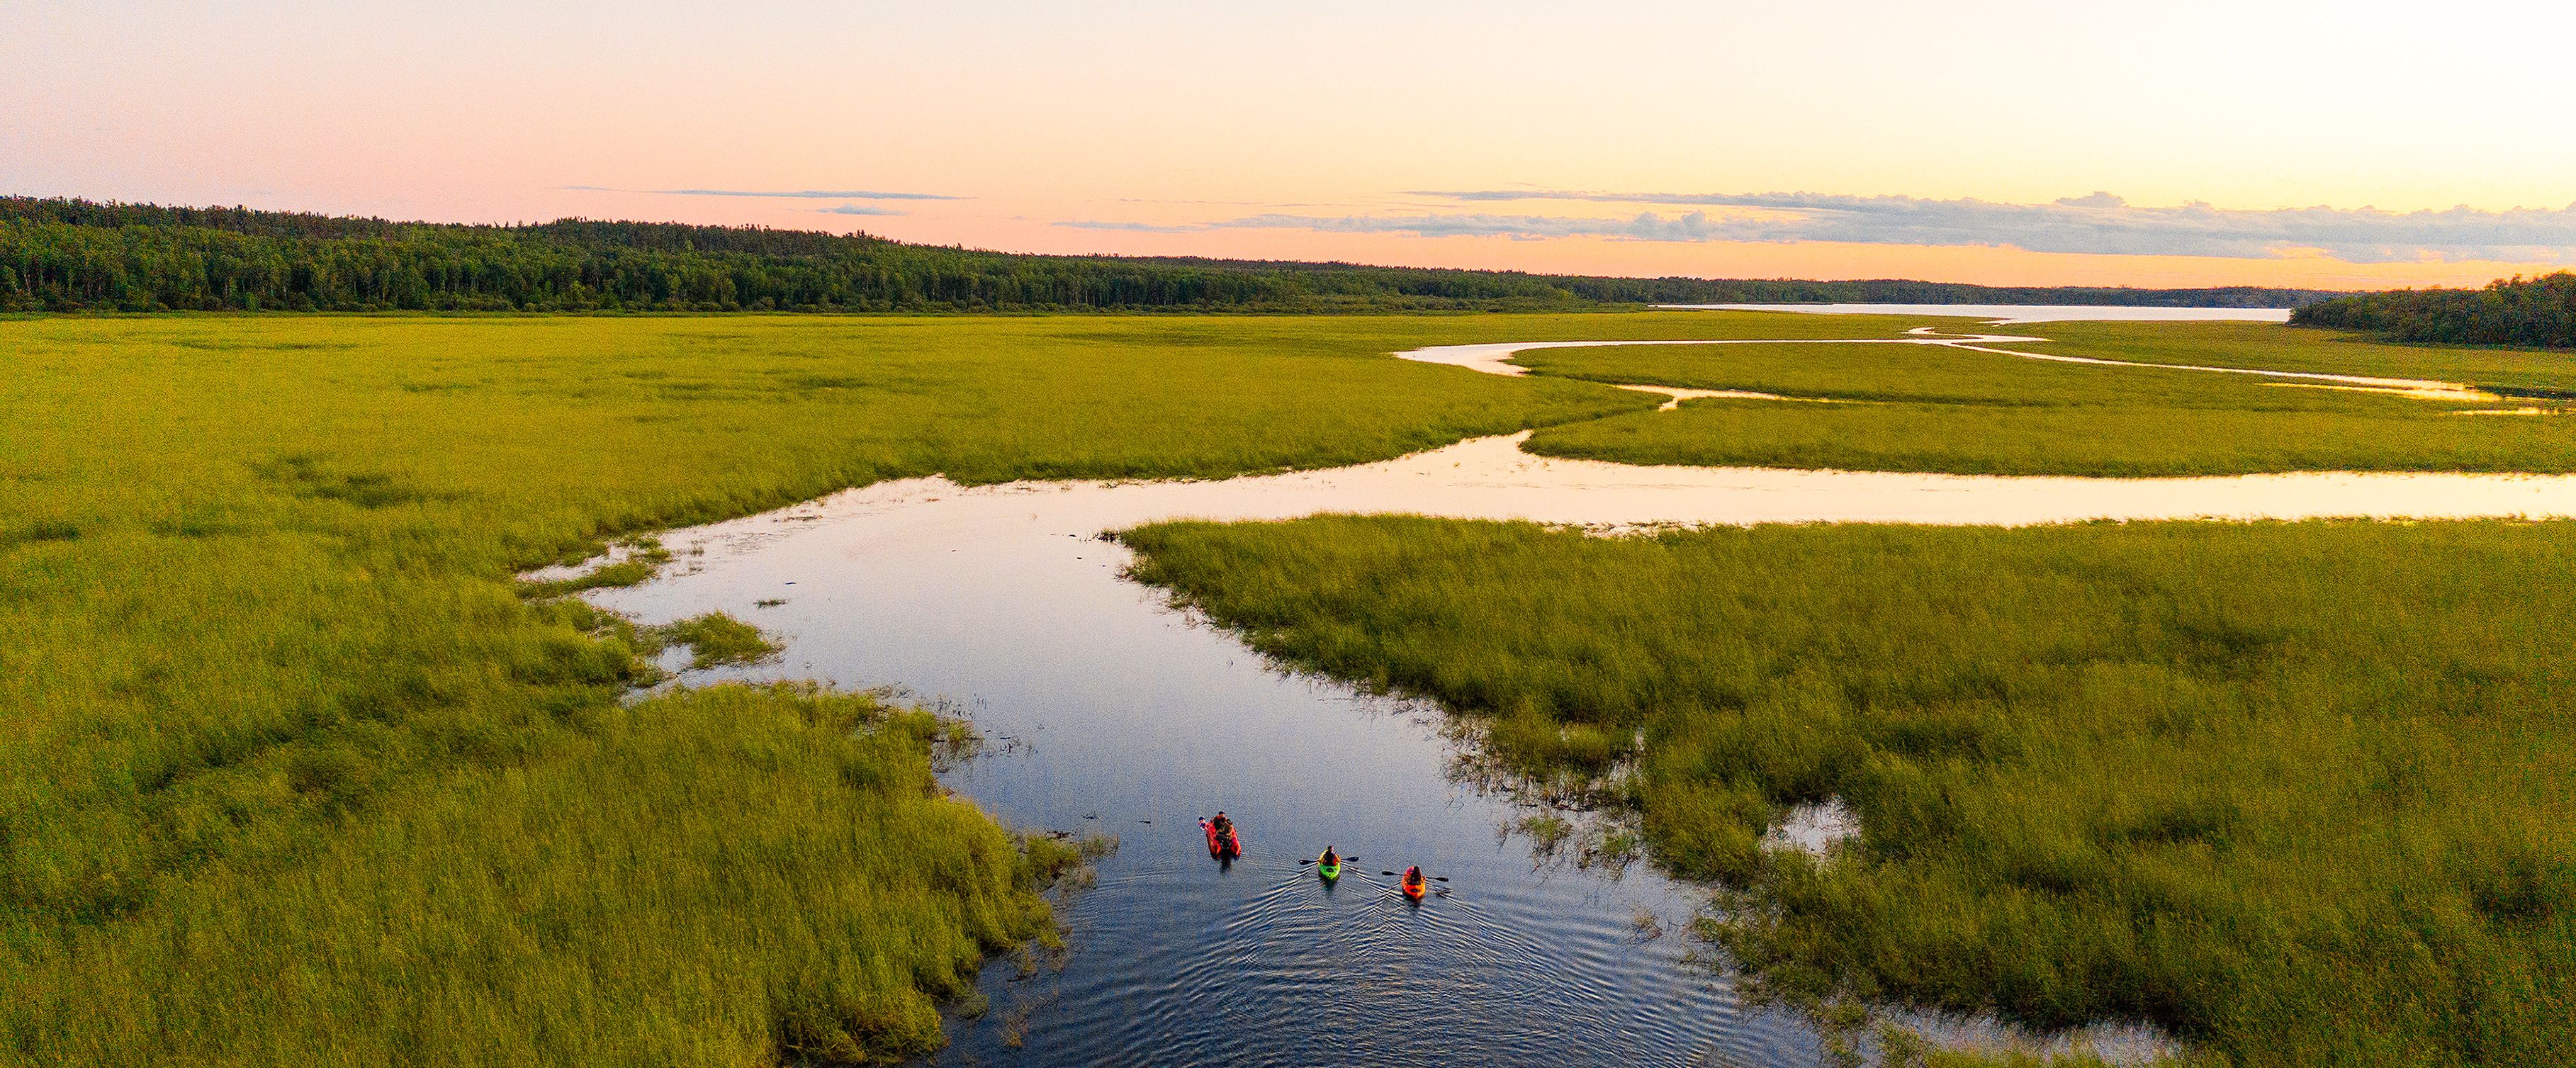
(298, 772)
(2103, 440)
(280, 724)
(716, 638)
(721, 876)
(1923, 374)
(2308, 349)
(2300, 793)
(1933, 408)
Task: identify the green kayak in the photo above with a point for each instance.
(1329, 872)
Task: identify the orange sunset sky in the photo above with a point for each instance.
(2179, 144)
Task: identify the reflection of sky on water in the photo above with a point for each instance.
(1105, 709)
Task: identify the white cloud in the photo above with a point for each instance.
(782, 194)
(1131, 227)
(2098, 223)
(807, 194)
(1645, 226)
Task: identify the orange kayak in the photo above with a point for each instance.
(1412, 891)
(1225, 847)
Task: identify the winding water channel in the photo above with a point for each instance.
(1110, 712)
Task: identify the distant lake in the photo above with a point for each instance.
(2020, 313)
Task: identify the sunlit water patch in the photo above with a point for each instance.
(2019, 313)
(1494, 358)
(1816, 827)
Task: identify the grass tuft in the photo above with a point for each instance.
(41, 530)
(716, 639)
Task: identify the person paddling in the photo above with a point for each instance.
(1413, 886)
(1222, 843)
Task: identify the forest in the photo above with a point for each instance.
(68, 255)
(2509, 311)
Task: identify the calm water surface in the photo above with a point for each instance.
(2021, 313)
(1108, 712)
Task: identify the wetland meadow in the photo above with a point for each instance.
(816, 689)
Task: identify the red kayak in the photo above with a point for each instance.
(1227, 848)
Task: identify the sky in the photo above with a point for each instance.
(2266, 142)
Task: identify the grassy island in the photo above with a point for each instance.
(1904, 407)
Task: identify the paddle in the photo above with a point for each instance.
(1310, 860)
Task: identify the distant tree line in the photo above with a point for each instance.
(78, 255)
(2509, 311)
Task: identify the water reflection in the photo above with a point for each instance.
(1494, 358)
(1113, 713)
(2007, 314)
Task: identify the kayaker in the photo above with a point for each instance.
(1330, 859)
(1224, 827)
(1413, 885)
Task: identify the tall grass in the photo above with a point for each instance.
(2301, 793)
(722, 876)
(290, 771)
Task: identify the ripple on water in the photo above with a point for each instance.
(1354, 968)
